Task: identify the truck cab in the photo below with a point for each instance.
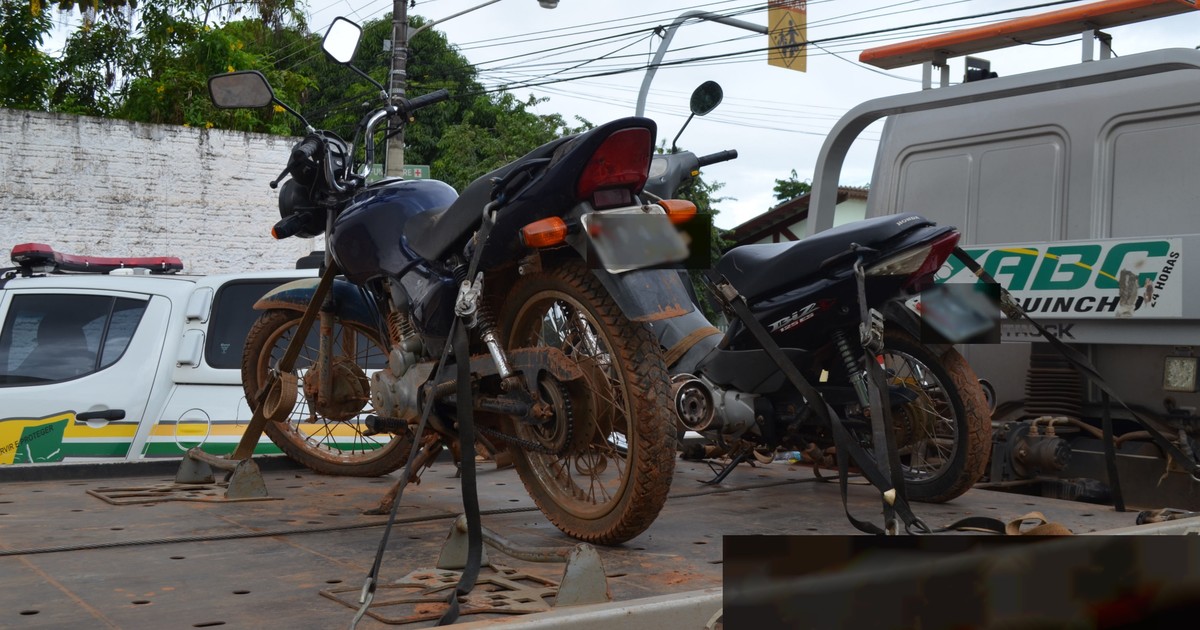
(122, 359)
(1074, 188)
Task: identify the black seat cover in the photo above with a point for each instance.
(756, 270)
(432, 233)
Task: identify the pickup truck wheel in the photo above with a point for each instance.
(326, 433)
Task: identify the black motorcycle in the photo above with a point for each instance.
(563, 377)
(810, 297)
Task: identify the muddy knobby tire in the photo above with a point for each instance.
(623, 412)
(322, 444)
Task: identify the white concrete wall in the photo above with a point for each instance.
(100, 187)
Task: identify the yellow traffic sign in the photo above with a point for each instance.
(788, 34)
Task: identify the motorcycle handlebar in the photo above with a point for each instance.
(720, 156)
(289, 226)
(425, 100)
(307, 148)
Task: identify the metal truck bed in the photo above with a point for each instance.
(71, 559)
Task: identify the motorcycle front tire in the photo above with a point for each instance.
(329, 438)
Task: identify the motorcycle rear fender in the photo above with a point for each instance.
(643, 295)
(897, 314)
(350, 305)
(647, 295)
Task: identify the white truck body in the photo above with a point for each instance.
(175, 382)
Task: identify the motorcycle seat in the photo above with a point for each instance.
(431, 234)
(761, 269)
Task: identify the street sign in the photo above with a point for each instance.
(788, 34)
(414, 171)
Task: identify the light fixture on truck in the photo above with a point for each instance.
(41, 258)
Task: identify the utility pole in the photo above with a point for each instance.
(394, 156)
(399, 77)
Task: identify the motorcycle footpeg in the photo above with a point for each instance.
(378, 424)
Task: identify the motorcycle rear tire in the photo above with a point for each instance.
(972, 420)
(614, 479)
(328, 445)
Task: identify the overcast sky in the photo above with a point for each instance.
(776, 118)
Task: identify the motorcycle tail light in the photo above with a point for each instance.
(678, 210)
(617, 169)
(918, 261)
(547, 232)
(939, 251)
(902, 264)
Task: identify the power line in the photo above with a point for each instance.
(744, 53)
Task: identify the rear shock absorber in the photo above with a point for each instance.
(486, 324)
(853, 369)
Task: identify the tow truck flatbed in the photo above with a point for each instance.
(68, 558)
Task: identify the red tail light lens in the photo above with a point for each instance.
(939, 251)
(621, 163)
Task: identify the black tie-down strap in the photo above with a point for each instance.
(470, 494)
(372, 582)
(460, 345)
(847, 446)
(1084, 366)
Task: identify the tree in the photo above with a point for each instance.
(150, 61)
(461, 139)
(790, 188)
(25, 71)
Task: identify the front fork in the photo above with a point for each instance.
(276, 397)
(325, 299)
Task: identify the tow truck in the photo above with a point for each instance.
(135, 547)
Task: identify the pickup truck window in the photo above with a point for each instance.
(54, 338)
(232, 316)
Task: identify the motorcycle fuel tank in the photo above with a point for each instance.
(368, 238)
(369, 241)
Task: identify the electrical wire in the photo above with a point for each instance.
(744, 53)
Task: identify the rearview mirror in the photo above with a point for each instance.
(240, 90)
(706, 98)
(341, 40)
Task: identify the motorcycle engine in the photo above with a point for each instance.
(703, 406)
(399, 396)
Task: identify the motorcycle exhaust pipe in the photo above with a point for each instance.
(693, 402)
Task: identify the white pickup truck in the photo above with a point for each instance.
(124, 359)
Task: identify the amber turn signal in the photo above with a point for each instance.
(544, 233)
(678, 210)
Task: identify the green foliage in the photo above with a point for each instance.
(461, 139)
(492, 133)
(790, 188)
(150, 62)
(25, 71)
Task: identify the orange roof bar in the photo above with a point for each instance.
(1022, 30)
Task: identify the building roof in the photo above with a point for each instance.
(784, 215)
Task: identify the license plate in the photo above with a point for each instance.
(627, 239)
